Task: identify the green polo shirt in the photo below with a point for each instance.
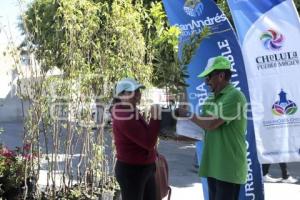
(224, 152)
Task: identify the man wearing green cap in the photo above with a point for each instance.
(223, 118)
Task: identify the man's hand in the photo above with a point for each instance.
(207, 122)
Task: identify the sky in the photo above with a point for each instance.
(9, 13)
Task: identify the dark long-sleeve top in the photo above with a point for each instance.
(135, 139)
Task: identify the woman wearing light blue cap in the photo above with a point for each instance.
(135, 142)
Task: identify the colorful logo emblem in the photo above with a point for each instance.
(193, 8)
(284, 106)
(272, 40)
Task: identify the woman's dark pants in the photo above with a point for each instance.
(137, 182)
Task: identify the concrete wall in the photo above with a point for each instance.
(10, 105)
(11, 109)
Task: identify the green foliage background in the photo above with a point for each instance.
(108, 40)
(100, 41)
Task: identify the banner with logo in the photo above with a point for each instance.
(268, 33)
(191, 16)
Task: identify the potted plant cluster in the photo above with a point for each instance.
(14, 171)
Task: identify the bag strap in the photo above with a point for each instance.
(170, 192)
(169, 188)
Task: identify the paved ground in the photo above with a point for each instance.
(187, 185)
(184, 180)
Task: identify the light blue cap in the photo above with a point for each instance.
(127, 84)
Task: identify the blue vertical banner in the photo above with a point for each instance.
(191, 16)
(267, 33)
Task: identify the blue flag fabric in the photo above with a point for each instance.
(246, 13)
(191, 16)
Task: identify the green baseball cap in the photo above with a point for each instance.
(215, 63)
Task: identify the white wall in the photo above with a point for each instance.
(10, 104)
